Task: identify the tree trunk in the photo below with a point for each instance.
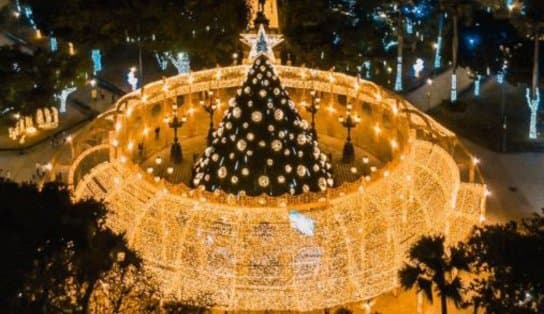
(455, 48)
(444, 304)
(140, 58)
(438, 52)
(536, 63)
(400, 57)
(455, 42)
(85, 301)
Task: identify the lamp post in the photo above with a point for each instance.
(349, 122)
(211, 106)
(313, 108)
(176, 154)
(429, 93)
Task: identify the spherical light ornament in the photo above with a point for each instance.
(278, 114)
(228, 125)
(281, 179)
(322, 182)
(271, 128)
(316, 168)
(301, 139)
(250, 153)
(276, 91)
(262, 143)
(234, 179)
(256, 116)
(330, 182)
(250, 103)
(264, 181)
(270, 105)
(222, 172)
(288, 168)
(305, 188)
(250, 136)
(283, 101)
(300, 154)
(241, 145)
(215, 157)
(237, 112)
(263, 93)
(269, 162)
(232, 155)
(247, 89)
(276, 145)
(301, 170)
(245, 125)
(245, 171)
(266, 82)
(304, 124)
(281, 134)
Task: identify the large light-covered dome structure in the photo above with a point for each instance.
(310, 250)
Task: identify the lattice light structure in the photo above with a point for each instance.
(245, 252)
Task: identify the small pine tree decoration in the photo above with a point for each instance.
(262, 145)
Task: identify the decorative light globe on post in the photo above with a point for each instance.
(259, 219)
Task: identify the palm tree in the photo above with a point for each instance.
(431, 266)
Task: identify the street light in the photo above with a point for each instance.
(429, 92)
(349, 122)
(211, 106)
(313, 108)
(176, 154)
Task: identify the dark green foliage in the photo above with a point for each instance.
(55, 250)
(310, 28)
(207, 29)
(31, 81)
(509, 259)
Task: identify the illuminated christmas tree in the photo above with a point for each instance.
(263, 146)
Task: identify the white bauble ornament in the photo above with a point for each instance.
(256, 116)
(237, 112)
(222, 172)
(278, 114)
(276, 145)
(322, 182)
(264, 181)
(301, 139)
(301, 170)
(241, 145)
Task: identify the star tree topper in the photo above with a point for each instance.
(261, 44)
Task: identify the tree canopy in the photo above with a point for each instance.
(56, 250)
(31, 81)
(207, 30)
